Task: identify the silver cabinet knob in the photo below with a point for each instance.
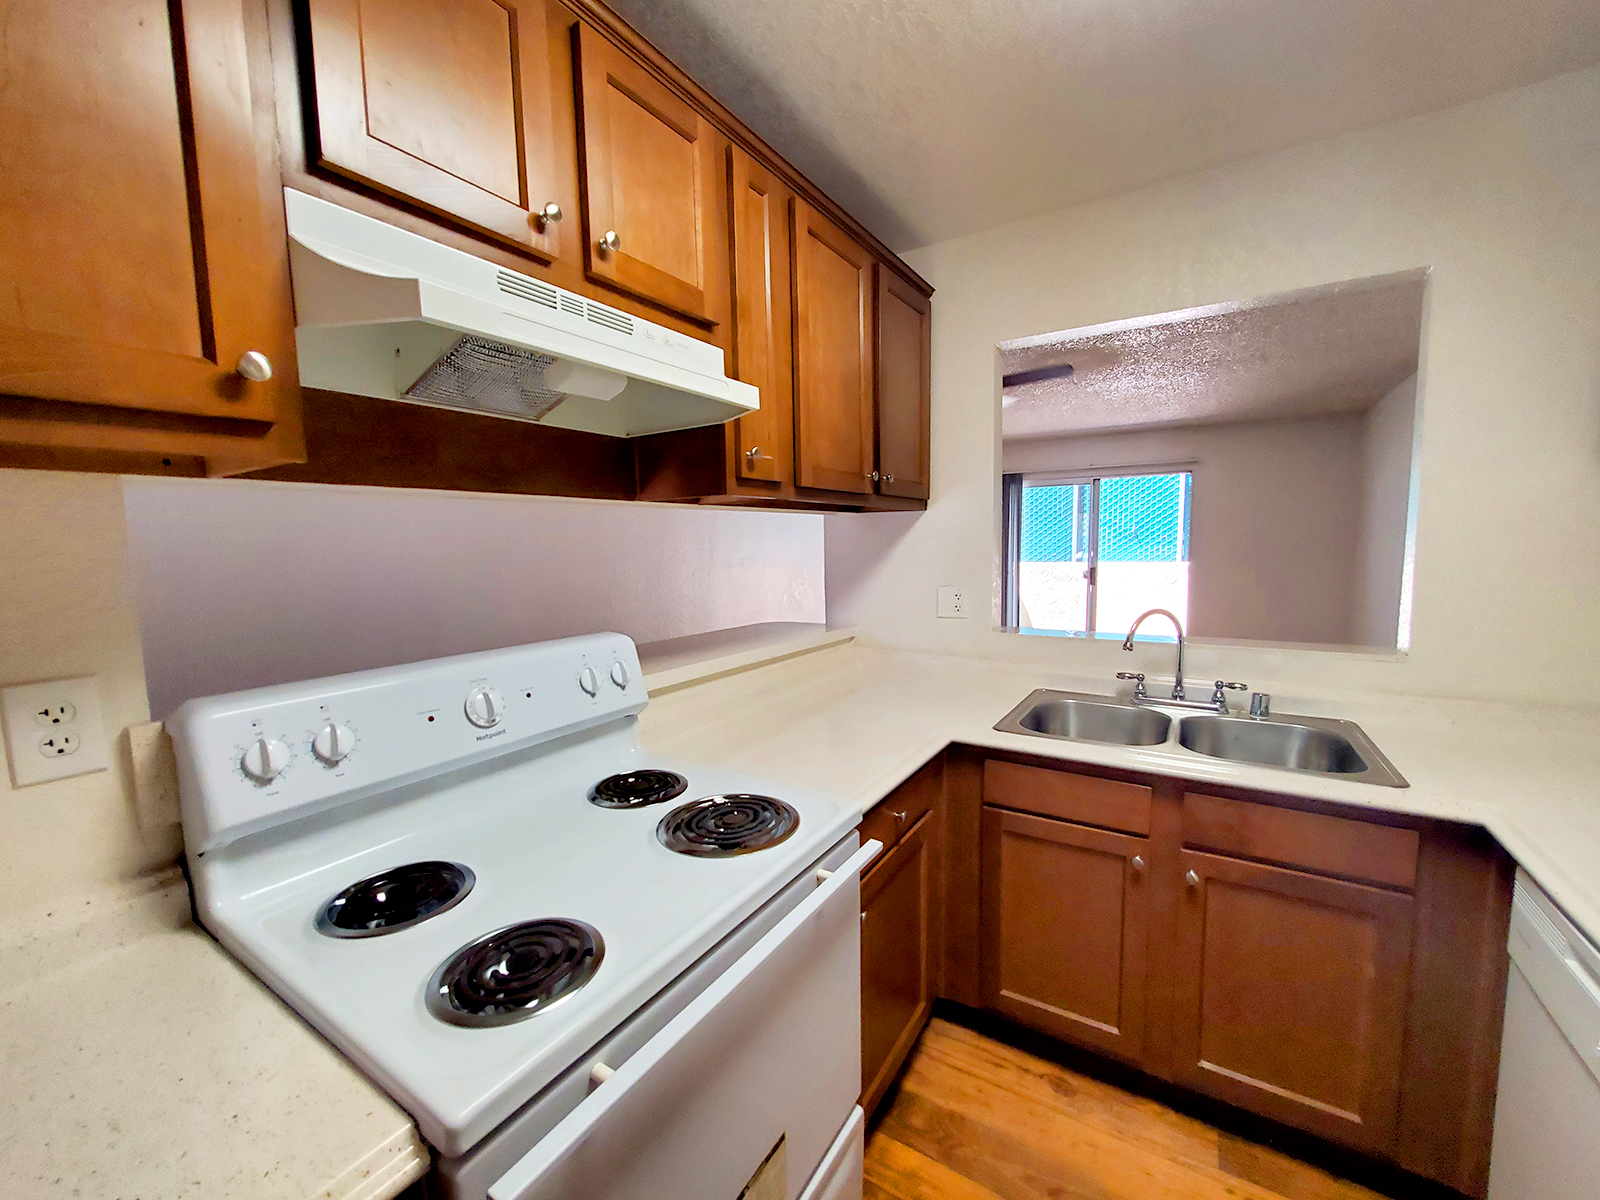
(899, 817)
(611, 241)
(753, 455)
(1138, 863)
(550, 214)
(1191, 879)
(873, 476)
(254, 366)
(888, 478)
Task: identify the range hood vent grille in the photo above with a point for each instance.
(524, 288)
(610, 318)
(480, 374)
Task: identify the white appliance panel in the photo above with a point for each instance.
(771, 1050)
(1547, 1113)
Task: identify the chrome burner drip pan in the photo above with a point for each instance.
(723, 826)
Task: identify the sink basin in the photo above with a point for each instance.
(1081, 718)
(1316, 744)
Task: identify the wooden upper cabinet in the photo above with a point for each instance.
(445, 103)
(1290, 995)
(649, 165)
(905, 347)
(762, 346)
(141, 262)
(833, 344)
(1066, 916)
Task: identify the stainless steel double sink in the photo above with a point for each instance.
(1313, 745)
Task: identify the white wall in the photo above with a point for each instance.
(1272, 530)
(1500, 197)
(245, 583)
(67, 609)
(1386, 446)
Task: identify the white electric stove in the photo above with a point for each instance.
(584, 970)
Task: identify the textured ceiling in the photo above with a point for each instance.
(928, 119)
(1324, 350)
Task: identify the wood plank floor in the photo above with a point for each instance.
(974, 1119)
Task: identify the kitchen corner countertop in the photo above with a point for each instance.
(859, 720)
(141, 1061)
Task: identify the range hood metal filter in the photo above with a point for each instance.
(477, 373)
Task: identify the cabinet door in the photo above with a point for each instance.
(445, 103)
(833, 355)
(905, 347)
(897, 946)
(136, 250)
(649, 171)
(1066, 916)
(1290, 995)
(762, 346)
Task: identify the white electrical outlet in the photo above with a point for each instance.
(54, 730)
(952, 601)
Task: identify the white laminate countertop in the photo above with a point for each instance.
(859, 720)
(140, 1060)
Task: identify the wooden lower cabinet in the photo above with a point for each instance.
(1067, 915)
(897, 948)
(1338, 971)
(1290, 995)
(901, 926)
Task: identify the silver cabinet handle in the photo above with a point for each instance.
(254, 366)
(899, 817)
(550, 214)
(611, 241)
(888, 478)
(1138, 863)
(1191, 879)
(873, 476)
(753, 455)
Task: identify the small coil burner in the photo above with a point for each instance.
(395, 899)
(515, 972)
(635, 789)
(722, 826)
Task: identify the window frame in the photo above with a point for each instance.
(1012, 486)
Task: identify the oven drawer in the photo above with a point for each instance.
(770, 1052)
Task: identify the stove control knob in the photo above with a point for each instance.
(333, 743)
(485, 707)
(589, 681)
(265, 760)
(619, 673)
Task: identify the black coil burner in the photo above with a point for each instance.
(395, 899)
(722, 826)
(515, 972)
(635, 789)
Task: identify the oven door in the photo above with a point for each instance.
(748, 1087)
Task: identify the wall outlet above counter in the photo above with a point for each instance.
(953, 602)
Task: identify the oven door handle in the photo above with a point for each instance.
(526, 1173)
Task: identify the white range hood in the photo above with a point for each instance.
(383, 312)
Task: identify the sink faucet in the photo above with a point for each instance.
(1219, 696)
(1127, 644)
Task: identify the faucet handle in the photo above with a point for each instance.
(1138, 678)
(1260, 705)
(1220, 697)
